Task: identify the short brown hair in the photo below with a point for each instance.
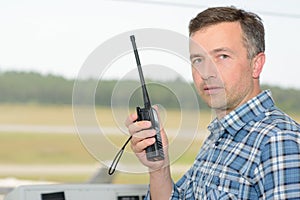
(251, 24)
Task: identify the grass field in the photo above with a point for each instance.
(30, 149)
(26, 148)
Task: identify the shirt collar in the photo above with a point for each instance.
(237, 119)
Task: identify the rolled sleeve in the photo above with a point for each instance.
(175, 195)
(147, 197)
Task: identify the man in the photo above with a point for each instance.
(253, 150)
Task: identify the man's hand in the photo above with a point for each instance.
(142, 137)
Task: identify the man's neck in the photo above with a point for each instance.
(220, 113)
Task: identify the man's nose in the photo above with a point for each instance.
(208, 69)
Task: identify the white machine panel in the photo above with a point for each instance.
(78, 192)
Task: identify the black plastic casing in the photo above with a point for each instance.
(155, 151)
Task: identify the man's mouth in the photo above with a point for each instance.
(212, 89)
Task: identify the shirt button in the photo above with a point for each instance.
(217, 181)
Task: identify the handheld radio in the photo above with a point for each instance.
(155, 151)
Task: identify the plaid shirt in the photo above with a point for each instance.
(251, 153)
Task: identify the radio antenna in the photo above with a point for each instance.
(138, 62)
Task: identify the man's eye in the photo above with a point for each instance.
(223, 56)
(196, 61)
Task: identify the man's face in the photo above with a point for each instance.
(221, 71)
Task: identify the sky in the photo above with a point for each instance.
(58, 36)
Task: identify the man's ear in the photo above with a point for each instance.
(257, 64)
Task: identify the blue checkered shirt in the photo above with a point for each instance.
(251, 153)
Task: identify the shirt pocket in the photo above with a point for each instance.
(221, 189)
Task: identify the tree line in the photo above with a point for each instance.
(31, 87)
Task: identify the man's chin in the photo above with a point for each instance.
(217, 105)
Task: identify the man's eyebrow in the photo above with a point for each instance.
(195, 55)
(214, 51)
(221, 49)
